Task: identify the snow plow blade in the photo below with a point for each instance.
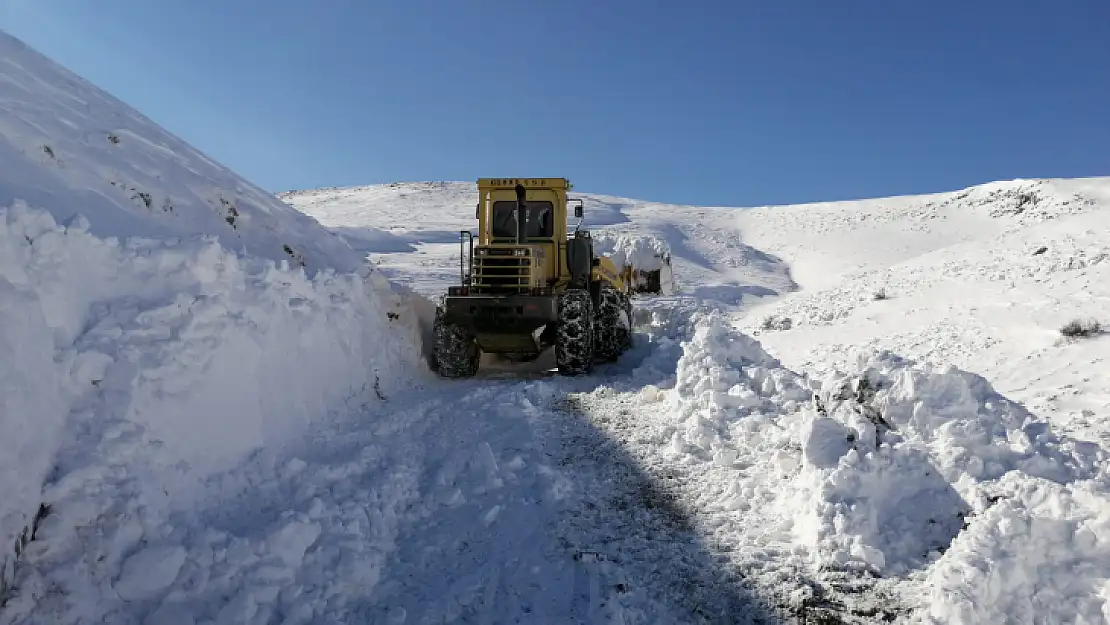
(644, 261)
(506, 324)
(650, 281)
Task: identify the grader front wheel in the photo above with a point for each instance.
(612, 332)
(456, 353)
(574, 338)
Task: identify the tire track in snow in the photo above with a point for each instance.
(637, 523)
(312, 529)
(479, 545)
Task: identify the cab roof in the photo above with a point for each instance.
(527, 183)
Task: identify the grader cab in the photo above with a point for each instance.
(527, 284)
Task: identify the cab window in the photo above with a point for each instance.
(541, 223)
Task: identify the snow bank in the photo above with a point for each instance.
(724, 376)
(1040, 554)
(160, 316)
(925, 448)
(1020, 514)
(31, 417)
(900, 467)
(162, 362)
(728, 400)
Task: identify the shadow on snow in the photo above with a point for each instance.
(531, 513)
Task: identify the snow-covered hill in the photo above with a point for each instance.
(161, 319)
(982, 278)
(412, 231)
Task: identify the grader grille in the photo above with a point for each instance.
(502, 270)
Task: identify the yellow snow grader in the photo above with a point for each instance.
(527, 285)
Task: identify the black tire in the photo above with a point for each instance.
(612, 336)
(574, 333)
(456, 353)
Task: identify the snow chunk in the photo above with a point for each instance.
(825, 442)
(149, 572)
(645, 253)
(724, 375)
(290, 542)
(1041, 554)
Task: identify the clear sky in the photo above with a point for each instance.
(725, 102)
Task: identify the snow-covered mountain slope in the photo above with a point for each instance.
(156, 323)
(983, 279)
(826, 243)
(72, 149)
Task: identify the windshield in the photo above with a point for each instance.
(540, 221)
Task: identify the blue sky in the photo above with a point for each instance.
(704, 102)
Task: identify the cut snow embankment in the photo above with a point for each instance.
(130, 370)
(133, 370)
(894, 468)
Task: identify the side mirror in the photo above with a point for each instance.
(579, 211)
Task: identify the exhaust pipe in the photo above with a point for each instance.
(521, 215)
